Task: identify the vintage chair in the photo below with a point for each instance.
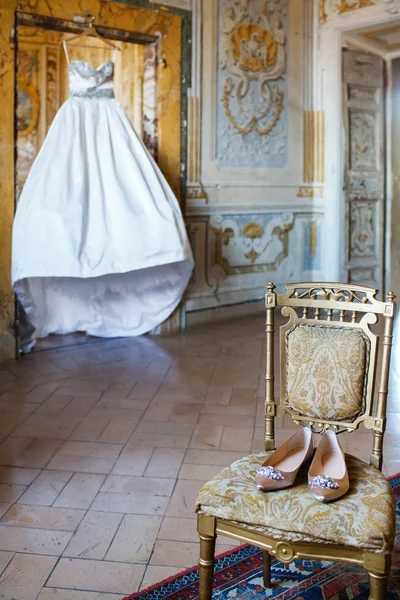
(328, 360)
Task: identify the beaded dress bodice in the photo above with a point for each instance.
(87, 82)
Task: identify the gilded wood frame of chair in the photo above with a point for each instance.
(330, 304)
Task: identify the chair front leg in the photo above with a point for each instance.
(378, 586)
(206, 529)
(206, 566)
(267, 569)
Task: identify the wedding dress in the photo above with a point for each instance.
(99, 242)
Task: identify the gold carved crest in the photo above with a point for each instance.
(253, 63)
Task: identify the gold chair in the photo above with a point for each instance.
(328, 358)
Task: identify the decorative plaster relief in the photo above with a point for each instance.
(251, 116)
(362, 139)
(312, 246)
(251, 243)
(362, 230)
(330, 8)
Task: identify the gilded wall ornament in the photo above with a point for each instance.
(253, 60)
(350, 5)
(329, 8)
(255, 243)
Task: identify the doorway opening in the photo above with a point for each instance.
(371, 155)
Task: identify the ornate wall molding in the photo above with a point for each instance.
(251, 243)
(251, 83)
(314, 146)
(332, 8)
(309, 191)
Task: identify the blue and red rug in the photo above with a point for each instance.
(238, 576)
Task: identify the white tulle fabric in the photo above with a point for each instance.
(99, 242)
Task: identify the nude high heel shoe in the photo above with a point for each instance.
(327, 477)
(280, 469)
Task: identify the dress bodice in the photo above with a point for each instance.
(87, 82)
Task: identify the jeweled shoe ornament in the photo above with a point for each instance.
(270, 472)
(324, 482)
(328, 479)
(281, 467)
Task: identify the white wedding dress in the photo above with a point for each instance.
(99, 242)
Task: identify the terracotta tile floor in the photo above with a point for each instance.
(103, 446)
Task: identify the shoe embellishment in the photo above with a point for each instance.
(270, 472)
(324, 482)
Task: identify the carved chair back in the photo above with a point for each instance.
(328, 359)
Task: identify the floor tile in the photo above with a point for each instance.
(139, 504)
(43, 517)
(206, 437)
(11, 448)
(202, 473)
(183, 500)
(46, 487)
(208, 457)
(134, 539)
(97, 575)
(94, 535)
(18, 475)
(4, 507)
(80, 491)
(219, 394)
(92, 450)
(22, 569)
(165, 462)
(55, 404)
(34, 541)
(237, 438)
(81, 464)
(11, 492)
(227, 419)
(243, 396)
(133, 461)
(175, 554)
(161, 440)
(5, 558)
(80, 406)
(143, 391)
(39, 426)
(152, 428)
(138, 485)
(38, 453)
(59, 594)
(178, 529)
(90, 429)
(118, 431)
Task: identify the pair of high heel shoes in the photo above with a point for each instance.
(327, 476)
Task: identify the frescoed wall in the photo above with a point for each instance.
(252, 113)
(255, 203)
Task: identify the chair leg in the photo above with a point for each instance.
(206, 566)
(378, 586)
(267, 569)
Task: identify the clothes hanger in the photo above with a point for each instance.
(92, 31)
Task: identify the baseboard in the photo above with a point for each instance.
(222, 313)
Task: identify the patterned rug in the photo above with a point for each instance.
(238, 576)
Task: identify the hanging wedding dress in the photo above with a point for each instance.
(99, 242)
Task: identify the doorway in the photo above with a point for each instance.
(371, 127)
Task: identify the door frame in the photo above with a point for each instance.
(121, 16)
(330, 84)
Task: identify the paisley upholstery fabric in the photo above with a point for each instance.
(326, 367)
(363, 518)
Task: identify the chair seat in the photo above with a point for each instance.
(364, 518)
